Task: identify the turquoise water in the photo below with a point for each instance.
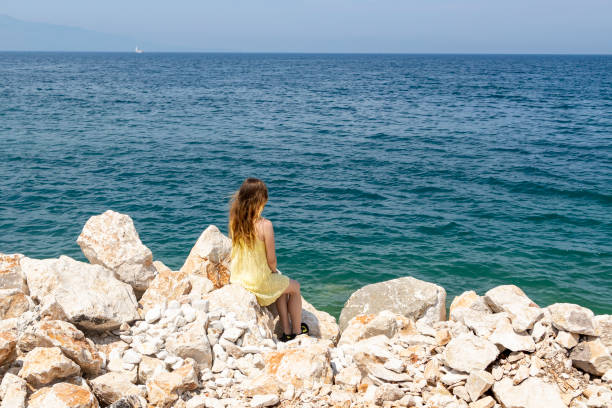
(467, 171)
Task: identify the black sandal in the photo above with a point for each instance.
(287, 337)
(304, 328)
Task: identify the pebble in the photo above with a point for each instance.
(267, 400)
(132, 357)
(153, 315)
(232, 334)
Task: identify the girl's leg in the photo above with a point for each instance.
(281, 306)
(295, 306)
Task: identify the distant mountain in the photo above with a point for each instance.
(17, 35)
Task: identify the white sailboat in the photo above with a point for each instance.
(138, 50)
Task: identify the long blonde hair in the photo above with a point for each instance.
(245, 208)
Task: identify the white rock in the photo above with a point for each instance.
(505, 336)
(232, 334)
(468, 352)
(267, 400)
(531, 393)
(395, 364)
(567, 339)
(153, 315)
(90, 295)
(407, 296)
(13, 392)
(478, 382)
(111, 240)
(131, 357)
(189, 313)
(191, 342)
(572, 318)
(111, 387)
(210, 257)
(512, 300)
(11, 275)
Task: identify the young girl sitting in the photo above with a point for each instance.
(253, 263)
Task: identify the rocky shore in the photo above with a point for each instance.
(125, 331)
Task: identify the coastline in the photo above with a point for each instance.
(126, 331)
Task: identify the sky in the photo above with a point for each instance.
(385, 26)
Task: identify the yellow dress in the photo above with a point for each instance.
(249, 268)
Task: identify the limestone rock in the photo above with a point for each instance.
(11, 275)
(478, 382)
(572, 318)
(166, 286)
(567, 339)
(531, 393)
(148, 367)
(47, 364)
(192, 342)
(505, 336)
(110, 387)
(200, 286)
(322, 325)
(468, 352)
(301, 366)
(90, 295)
(164, 387)
(603, 329)
(72, 342)
(233, 298)
(388, 392)
(592, 357)
(13, 392)
(210, 257)
(348, 377)
(110, 239)
(8, 341)
(407, 296)
(267, 400)
(512, 300)
(365, 326)
(13, 303)
(486, 402)
(467, 302)
(63, 395)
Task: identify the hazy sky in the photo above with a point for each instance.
(511, 26)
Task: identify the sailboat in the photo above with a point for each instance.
(138, 50)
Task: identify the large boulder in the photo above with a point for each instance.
(72, 342)
(467, 303)
(168, 285)
(407, 296)
(365, 326)
(468, 352)
(8, 341)
(63, 395)
(11, 275)
(592, 357)
(531, 393)
(572, 318)
(603, 329)
(110, 239)
(47, 364)
(210, 257)
(512, 300)
(90, 295)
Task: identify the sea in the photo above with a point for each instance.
(468, 171)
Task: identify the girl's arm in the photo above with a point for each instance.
(268, 233)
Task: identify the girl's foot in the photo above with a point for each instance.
(305, 329)
(287, 337)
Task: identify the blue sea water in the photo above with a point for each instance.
(466, 171)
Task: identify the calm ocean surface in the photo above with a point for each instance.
(466, 171)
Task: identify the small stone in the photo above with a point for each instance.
(388, 392)
(131, 357)
(531, 393)
(498, 373)
(110, 387)
(153, 315)
(486, 402)
(567, 339)
(348, 377)
(443, 336)
(46, 364)
(432, 372)
(395, 364)
(232, 334)
(268, 400)
(468, 352)
(461, 392)
(592, 357)
(478, 382)
(521, 374)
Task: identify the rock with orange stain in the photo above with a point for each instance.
(467, 303)
(46, 364)
(13, 303)
(72, 342)
(407, 296)
(8, 341)
(13, 391)
(303, 366)
(210, 257)
(365, 326)
(111, 240)
(110, 387)
(89, 294)
(11, 275)
(163, 388)
(168, 285)
(63, 395)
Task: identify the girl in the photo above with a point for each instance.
(253, 263)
